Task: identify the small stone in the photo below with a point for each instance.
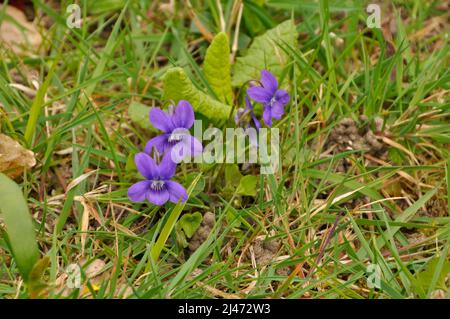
(202, 232)
(265, 250)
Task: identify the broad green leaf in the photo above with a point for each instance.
(247, 185)
(232, 176)
(199, 187)
(265, 53)
(217, 67)
(178, 86)
(138, 113)
(236, 182)
(19, 226)
(190, 223)
(424, 278)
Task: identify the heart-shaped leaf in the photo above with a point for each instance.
(199, 187)
(232, 176)
(247, 185)
(190, 223)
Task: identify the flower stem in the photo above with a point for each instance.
(169, 225)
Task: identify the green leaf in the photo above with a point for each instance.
(37, 107)
(424, 278)
(232, 176)
(199, 187)
(138, 113)
(190, 223)
(236, 182)
(217, 68)
(181, 237)
(19, 226)
(247, 185)
(265, 53)
(178, 86)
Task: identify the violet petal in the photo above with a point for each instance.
(277, 110)
(188, 146)
(184, 115)
(282, 96)
(260, 94)
(176, 191)
(256, 121)
(146, 165)
(267, 116)
(158, 197)
(138, 192)
(159, 142)
(269, 81)
(161, 120)
(167, 167)
(194, 145)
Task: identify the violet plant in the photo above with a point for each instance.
(157, 188)
(242, 115)
(176, 138)
(272, 98)
(175, 144)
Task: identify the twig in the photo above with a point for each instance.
(205, 32)
(234, 48)
(325, 245)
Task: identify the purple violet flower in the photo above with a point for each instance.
(176, 138)
(270, 96)
(241, 116)
(157, 187)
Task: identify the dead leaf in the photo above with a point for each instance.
(14, 159)
(79, 179)
(85, 223)
(96, 273)
(17, 33)
(95, 268)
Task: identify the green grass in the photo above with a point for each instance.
(331, 225)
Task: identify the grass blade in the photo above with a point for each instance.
(170, 224)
